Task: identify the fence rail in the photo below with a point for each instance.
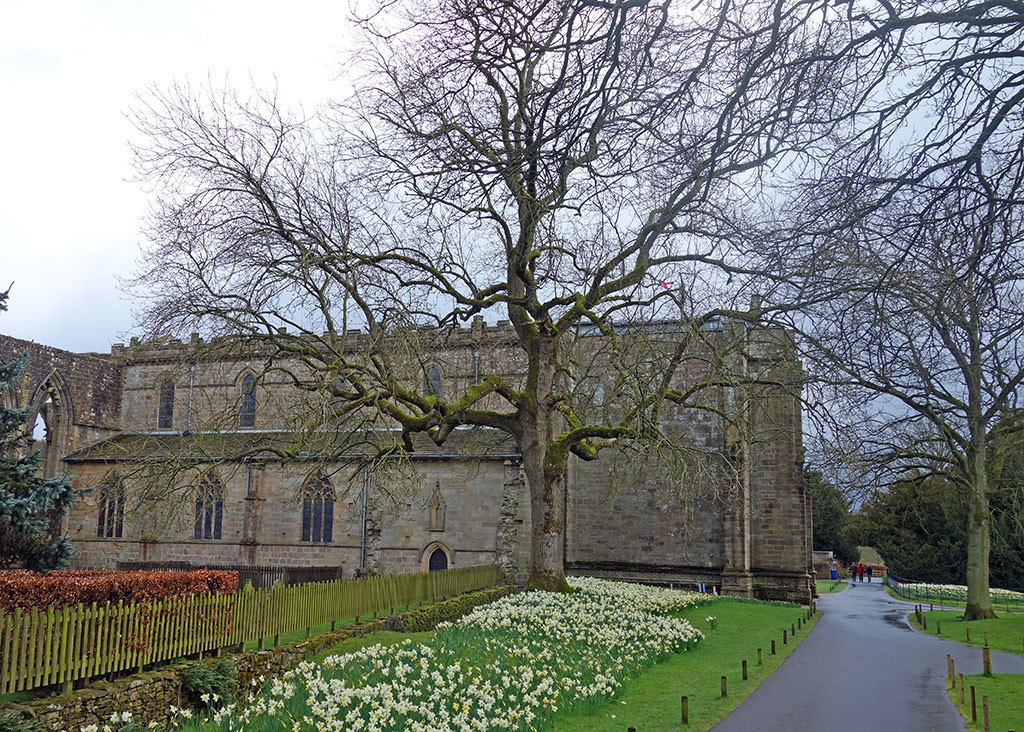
(63, 645)
(260, 577)
(953, 597)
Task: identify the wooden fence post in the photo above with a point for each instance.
(744, 669)
(685, 701)
(760, 657)
(725, 691)
(974, 706)
(984, 711)
(986, 660)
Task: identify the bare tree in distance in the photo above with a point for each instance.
(573, 166)
(931, 133)
(921, 344)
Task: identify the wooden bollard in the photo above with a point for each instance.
(938, 627)
(792, 630)
(968, 635)
(760, 657)
(986, 637)
(986, 660)
(931, 607)
(984, 711)
(631, 729)
(924, 622)
(685, 702)
(725, 691)
(783, 637)
(949, 667)
(799, 622)
(952, 670)
(773, 648)
(744, 669)
(961, 688)
(974, 707)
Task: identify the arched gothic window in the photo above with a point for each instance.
(432, 381)
(247, 414)
(209, 508)
(165, 415)
(318, 509)
(111, 518)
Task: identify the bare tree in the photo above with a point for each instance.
(575, 165)
(920, 335)
(929, 140)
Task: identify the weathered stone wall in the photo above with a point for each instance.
(148, 696)
(262, 520)
(741, 522)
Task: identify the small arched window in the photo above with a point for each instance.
(318, 509)
(165, 415)
(432, 381)
(209, 508)
(110, 524)
(247, 413)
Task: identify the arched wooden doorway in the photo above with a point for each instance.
(436, 557)
(438, 560)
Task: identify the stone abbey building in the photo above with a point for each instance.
(193, 455)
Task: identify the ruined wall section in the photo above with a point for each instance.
(90, 382)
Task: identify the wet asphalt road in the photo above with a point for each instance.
(863, 669)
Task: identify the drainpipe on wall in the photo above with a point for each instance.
(362, 538)
(188, 410)
(476, 366)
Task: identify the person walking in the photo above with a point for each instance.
(860, 572)
(867, 571)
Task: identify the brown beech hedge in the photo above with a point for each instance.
(21, 589)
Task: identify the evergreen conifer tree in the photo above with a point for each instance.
(26, 500)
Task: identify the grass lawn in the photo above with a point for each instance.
(827, 586)
(1005, 633)
(1005, 701)
(651, 701)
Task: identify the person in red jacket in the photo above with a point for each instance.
(860, 572)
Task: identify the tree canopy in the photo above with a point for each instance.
(570, 166)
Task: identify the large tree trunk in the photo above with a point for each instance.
(545, 463)
(546, 475)
(547, 498)
(979, 601)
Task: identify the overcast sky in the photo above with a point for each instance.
(68, 75)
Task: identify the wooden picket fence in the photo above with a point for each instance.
(63, 645)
